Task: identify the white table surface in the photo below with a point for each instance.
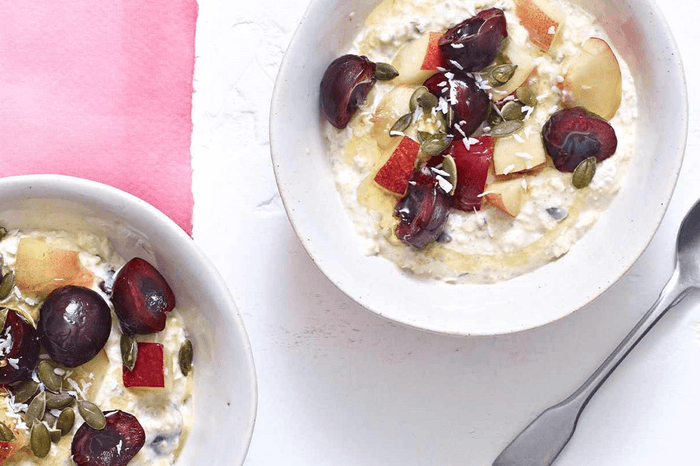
(340, 386)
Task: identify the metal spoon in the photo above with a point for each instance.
(542, 441)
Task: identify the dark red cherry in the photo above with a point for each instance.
(474, 43)
(574, 134)
(74, 325)
(344, 87)
(19, 349)
(115, 445)
(471, 103)
(423, 211)
(141, 298)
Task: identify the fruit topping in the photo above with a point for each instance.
(506, 195)
(397, 170)
(41, 268)
(344, 87)
(472, 45)
(423, 211)
(115, 445)
(19, 348)
(141, 298)
(573, 134)
(419, 59)
(472, 168)
(518, 151)
(148, 371)
(460, 92)
(74, 325)
(539, 23)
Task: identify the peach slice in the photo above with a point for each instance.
(593, 79)
(519, 152)
(506, 195)
(541, 19)
(42, 268)
(418, 60)
(395, 173)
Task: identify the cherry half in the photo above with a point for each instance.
(19, 349)
(423, 211)
(344, 87)
(574, 134)
(115, 445)
(471, 103)
(474, 43)
(74, 325)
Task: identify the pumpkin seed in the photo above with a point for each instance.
(25, 391)
(385, 72)
(58, 400)
(450, 167)
(36, 409)
(501, 74)
(55, 435)
(526, 96)
(40, 440)
(94, 417)
(6, 434)
(401, 125)
(494, 118)
(48, 376)
(3, 317)
(130, 350)
(65, 420)
(423, 136)
(413, 103)
(3, 232)
(436, 144)
(6, 285)
(512, 111)
(185, 357)
(427, 101)
(584, 173)
(506, 128)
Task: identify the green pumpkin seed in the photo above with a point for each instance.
(93, 415)
(6, 434)
(512, 111)
(185, 357)
(65, 420)
(40, 440)
(130, 351)
(413, 103)
(436, 144)
(506, 128)
(427, 101)
(423, 136)
(48, 376)
(36, 409)
(501, 74)
(3, 317)
(58, 400)
(450, 167)
(385, 72)
(526, 96)
(494, 118)
(401, 125)
(6, 285)
(584, 173)
(55, 435)
(25, 391)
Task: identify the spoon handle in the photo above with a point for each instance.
(540, 443)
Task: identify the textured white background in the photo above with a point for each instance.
(339, 385)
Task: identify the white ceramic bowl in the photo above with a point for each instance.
(641, 35)
(225, 390)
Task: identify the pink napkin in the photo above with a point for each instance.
(101, 90)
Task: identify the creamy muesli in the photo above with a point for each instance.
(492, 136)
(94, 357)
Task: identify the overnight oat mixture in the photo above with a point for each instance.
(474, 141)
(95, 364)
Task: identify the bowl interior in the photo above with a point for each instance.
(600, 258)
(225, 386)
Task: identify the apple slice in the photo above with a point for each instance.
(541, 19)
(393, 106)
(523, 55)
(472, 169)
(419, 59)
(395, 173)
(506, 195)
(593, 79)
(148, 371)
(519, 152)
(42, 268)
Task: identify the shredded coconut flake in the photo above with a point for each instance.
(552, 30)
(508, 169)
(457, 65)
